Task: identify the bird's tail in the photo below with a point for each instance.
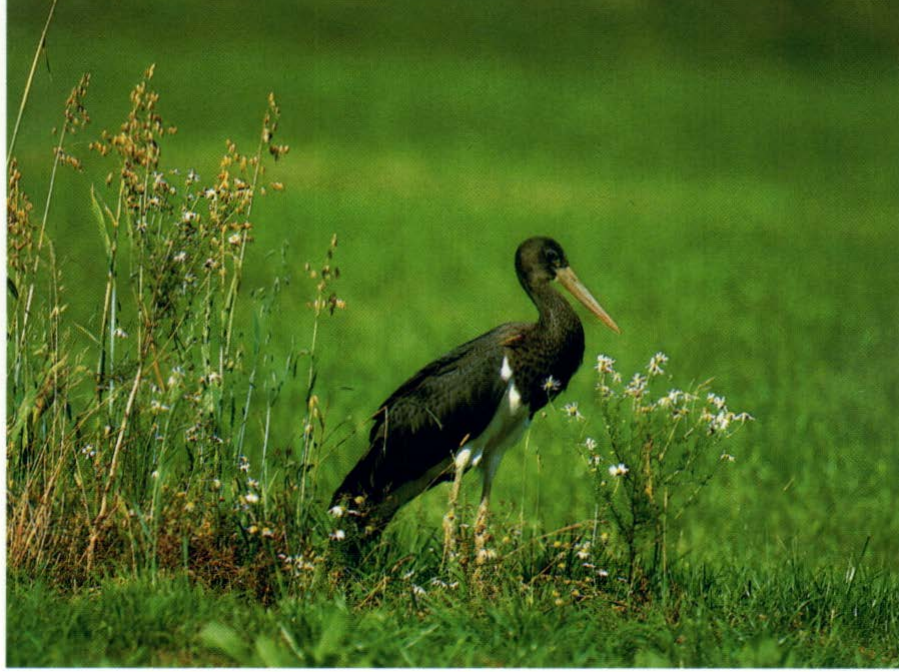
(362, 506)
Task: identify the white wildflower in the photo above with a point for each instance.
(655, 364)
(671, 398)
(337, 511)
(234, 239)
(337, 535)
(719, 402)
(637, 387)
(551, 384)
(251, 498)
(583, 552)
(605, 364)
(571, 410)
(618, 469)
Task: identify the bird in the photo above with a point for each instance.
(466, 408)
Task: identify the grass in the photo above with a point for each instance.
(722, 179)
(723, 617)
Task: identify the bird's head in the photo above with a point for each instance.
(541, 260)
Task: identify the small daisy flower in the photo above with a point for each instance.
(590, 444)
(252, 483)
(618, 469)
(602, 573)
(251, 498)
(234, 239)
(671, 398)
(88, 451)
(337, 535)
(180, 257)
(157, 407)
(725, 457)
(721, 421)
(189, 216)
(637, 387)
(209, 193)
(486, 554)
(551, 384)
(337, 511)
(655, 364)
(605, 364)
(120, 333)
(418, 591)
(571, 410)
(584, 551)
(717, 401)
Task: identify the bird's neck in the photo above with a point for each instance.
(557, 321)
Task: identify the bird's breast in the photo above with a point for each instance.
(511, 418)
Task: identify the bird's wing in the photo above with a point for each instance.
(430, 416)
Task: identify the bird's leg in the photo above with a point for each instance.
(461, 461)
(481, 536)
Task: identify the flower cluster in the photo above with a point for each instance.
(658, 447)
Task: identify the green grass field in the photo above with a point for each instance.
(724, 180)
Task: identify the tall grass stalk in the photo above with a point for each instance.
(26, 93)
(143, 459)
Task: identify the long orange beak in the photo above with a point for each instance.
(570, 282)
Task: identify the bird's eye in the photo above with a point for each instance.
(552, 257)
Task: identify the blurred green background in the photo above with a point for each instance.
(724, 176)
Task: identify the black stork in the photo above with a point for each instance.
(466, 408)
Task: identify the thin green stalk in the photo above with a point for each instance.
(40, 243)
(41, 45)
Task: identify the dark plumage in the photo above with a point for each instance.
(465, 408)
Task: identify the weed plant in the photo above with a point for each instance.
(135, 451)
(655, 456)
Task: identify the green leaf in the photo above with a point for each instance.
(226, 640)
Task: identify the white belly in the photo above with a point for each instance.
(504, 431)
(485, 450)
